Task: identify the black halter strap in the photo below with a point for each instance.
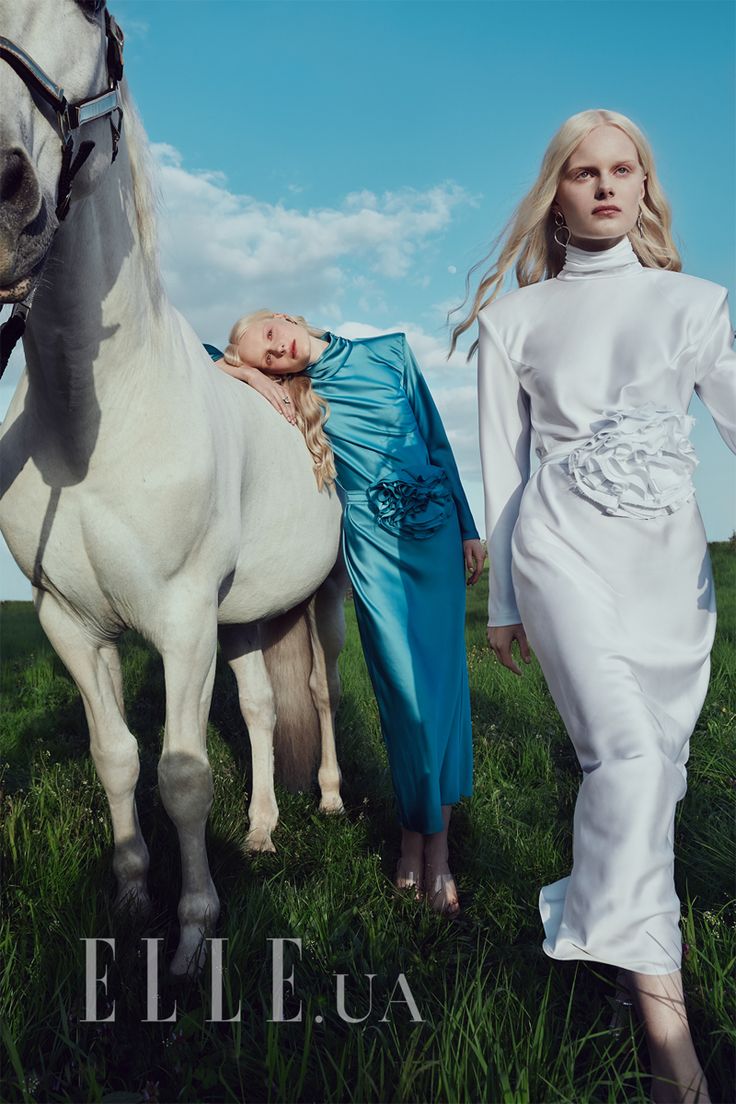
(68, 119)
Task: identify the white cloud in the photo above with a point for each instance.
(224, 253)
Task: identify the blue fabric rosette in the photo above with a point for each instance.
(415, 503)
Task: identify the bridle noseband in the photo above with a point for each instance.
(69, 118)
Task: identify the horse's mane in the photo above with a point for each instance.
(145, 197)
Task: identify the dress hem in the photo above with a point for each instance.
(432, 831)
(583, 956)
(551, 909)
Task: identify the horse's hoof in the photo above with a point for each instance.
(191, 955)
(259, 839)
(331, 804)
(134, 898)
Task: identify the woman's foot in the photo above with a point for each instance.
(440, 888)
(409, 876)
(441, 891)
(410, 867)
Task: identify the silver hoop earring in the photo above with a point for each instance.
(640, 224)
(566, 242)
(561, 225)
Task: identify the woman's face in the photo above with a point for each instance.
(601, 187)
(279, 345)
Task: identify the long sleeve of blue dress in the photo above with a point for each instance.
(433, 432)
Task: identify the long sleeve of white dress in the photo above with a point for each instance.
(715, 380)
(505, 436)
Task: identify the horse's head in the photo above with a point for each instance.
(66, 44)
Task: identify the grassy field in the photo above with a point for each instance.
(500, 1021)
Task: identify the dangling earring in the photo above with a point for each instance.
(640, 224)
(560, 224)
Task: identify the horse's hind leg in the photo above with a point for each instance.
(96, 670)
(326, 621)
(241, 647)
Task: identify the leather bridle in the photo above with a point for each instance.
(67, 119)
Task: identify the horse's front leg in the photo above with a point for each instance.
(95, 667)
(241, 646)
(189, 652)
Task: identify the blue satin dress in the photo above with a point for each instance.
(405, 518)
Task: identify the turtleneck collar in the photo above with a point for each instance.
(619, 260)
(331, 359)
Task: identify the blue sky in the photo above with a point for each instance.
(350, 160)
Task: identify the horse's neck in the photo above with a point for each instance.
(99, 315)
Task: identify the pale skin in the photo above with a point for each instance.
(280, 345)
(599, 195)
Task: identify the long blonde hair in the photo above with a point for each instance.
(310, 409)
(527, 240)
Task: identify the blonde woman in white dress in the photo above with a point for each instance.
(599, 558)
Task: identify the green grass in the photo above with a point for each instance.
(501, 1021)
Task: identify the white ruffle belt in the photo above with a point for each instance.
(638, 464)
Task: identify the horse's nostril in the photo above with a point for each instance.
(11, 177)
(19, 189)
(11, 180)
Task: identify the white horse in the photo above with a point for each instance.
(141, 486)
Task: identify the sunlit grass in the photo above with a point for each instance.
(500, 1021)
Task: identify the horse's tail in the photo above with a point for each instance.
(287, 651)
(293, 653)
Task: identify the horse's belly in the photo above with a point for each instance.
(248, 527)
(288, 546)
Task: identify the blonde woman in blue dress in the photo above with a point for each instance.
(407, 534)
(599, 558)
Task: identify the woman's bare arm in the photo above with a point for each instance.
(265, 385)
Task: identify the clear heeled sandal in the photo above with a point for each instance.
(408, 879)
(440, 899)
(621, 1005)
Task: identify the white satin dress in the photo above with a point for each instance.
(601, 554)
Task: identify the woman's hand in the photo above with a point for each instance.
(501, 637)
(475, 555)
(265, 385)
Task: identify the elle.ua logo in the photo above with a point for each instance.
(277, 989)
